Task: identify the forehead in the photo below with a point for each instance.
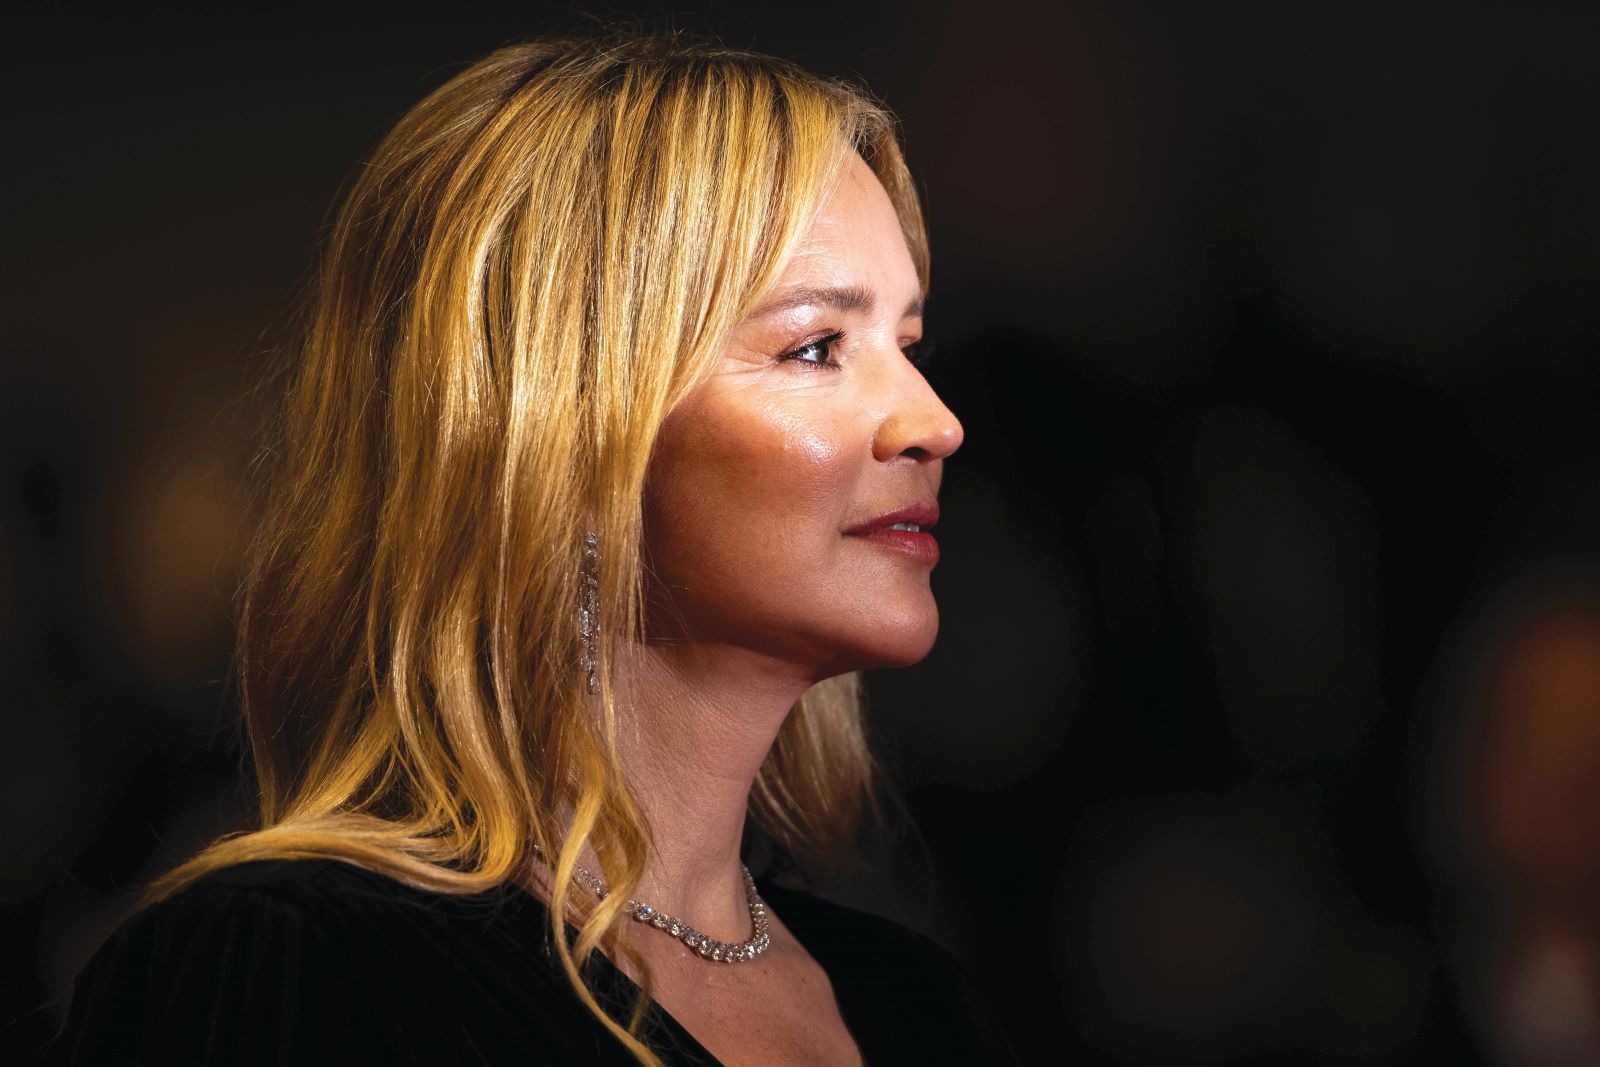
(855, 236)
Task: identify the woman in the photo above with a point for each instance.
(604, 468)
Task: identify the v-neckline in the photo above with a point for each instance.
(682, 1040)
(619, 982)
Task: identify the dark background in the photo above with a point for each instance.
(1273, 334)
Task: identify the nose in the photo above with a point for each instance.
(917, 424)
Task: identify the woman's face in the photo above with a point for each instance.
(773, 481)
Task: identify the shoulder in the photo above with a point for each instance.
(309, 893)
(311, 882)
(330, 896)
(207, 972)
(310, 899)
(265, 957)
(290, 913)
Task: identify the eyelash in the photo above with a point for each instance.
(917, 352)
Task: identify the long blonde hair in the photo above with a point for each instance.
(527, 274)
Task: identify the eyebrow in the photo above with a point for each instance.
(837, 297)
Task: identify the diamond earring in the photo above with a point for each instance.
(589, 609)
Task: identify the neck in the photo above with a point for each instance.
(695, 723)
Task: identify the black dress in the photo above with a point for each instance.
(319, 961)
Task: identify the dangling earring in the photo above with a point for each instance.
(589, 609)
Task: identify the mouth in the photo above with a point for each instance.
(904, 532)
(915, 518)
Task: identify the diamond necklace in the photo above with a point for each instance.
(707, 947)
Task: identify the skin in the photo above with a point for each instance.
(760, 471)
(759, 592)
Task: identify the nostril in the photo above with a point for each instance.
(926, 436)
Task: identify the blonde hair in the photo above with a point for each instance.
(539, 261)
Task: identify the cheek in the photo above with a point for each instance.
(737, 497)
(801, 470)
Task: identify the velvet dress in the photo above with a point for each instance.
(318, 961)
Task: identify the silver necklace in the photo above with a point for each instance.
(708, 948)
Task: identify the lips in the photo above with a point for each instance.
(924, 516)
(889, 533)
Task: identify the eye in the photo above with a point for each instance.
(918, 352)
(818, 353)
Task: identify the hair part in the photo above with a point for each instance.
(528, 273)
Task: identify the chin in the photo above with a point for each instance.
(905, 642)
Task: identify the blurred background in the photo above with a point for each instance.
(1264, 724)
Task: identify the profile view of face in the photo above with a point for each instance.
(769, 481)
